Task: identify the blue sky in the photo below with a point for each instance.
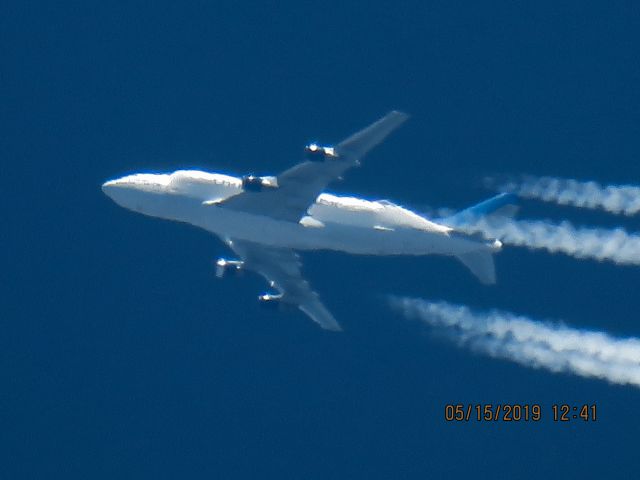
(121, 353)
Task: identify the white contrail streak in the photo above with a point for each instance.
(531, 343)
(615, 245)
(618, 199)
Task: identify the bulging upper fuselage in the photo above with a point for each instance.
(345, 224)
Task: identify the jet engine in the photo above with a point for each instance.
(253, 183)
(270, 300)
(317, 153)
(228, 267)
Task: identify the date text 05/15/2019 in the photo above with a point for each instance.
(515, 412)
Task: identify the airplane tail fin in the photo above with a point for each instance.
(480, 262)
(502, 205)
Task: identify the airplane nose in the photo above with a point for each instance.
(109, 186)
(117, 190)
(122, 192)
(133, 189)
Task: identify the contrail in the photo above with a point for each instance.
(618, 199)
(531, 343)
(616, 245)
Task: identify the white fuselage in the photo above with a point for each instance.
(344, 224)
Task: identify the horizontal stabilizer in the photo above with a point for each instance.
(502, 205)
(480, 262)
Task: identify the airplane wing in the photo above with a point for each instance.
(299, 186)
(281, 268)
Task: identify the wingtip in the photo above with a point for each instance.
(400, 114)
(336, 329)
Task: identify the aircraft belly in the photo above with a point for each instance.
(331, 236)
(344, 237)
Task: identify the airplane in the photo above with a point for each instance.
(266, 220)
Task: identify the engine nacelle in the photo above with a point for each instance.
(228, 267)
(317, 153)
(270, 300)
(253, 183)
